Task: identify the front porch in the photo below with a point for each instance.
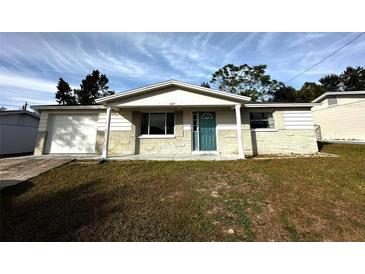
(175, 133)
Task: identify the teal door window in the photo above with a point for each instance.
(207, 131)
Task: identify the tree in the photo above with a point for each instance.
(285, 94)
(309, 91)
(64, 94)
(331, 82)
(353, 79)
(205, 84)
(94, 86)
(349, 80)
(245, 80)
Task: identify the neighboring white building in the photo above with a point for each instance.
(176, 118)
(340, 116)
(18, 131)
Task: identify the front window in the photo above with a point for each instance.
(261, 120)
(161, 123)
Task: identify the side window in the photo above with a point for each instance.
(195, 121)
(261, 120)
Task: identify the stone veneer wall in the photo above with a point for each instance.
(227, 141)
(246, 133)
(99, 142)
(179, 145)
(254, 142)
(280, 141)
(121, 143)
(40, 143)
(301, 141)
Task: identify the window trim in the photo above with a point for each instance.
(264, 129)
(151, 136)
(157, 136)
(268, 129)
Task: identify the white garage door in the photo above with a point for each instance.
(72, 133)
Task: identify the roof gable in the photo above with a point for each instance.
(172, 93)
(172, 96)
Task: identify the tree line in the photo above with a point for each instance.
(252, 81)
(92, 87)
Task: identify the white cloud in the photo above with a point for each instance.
(238, 47)
(302, 38)
(133, 59)
(29, 83)
(266, 40)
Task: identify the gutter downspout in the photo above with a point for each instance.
(106, 133)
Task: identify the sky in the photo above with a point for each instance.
(32, 63)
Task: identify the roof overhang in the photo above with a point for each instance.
(281, 105)
(172, 83)
(347, 93)
(23, 112)
(62, 107)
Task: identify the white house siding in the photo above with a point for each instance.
(340, 100)
(345, 121)
(172, 97)
(298, 119)
(120, 120)
(346, 99)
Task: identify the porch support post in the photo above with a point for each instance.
(241, 154)
(106, 133)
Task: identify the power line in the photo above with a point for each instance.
(324, 59)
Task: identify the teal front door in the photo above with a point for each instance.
(207, 132)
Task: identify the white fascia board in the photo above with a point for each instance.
(281, 105)
(24, 112)
(174, 106)
(326, 94)
(172, 83)
(73, 107)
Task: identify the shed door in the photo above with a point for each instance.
(207, 132)
(72, 133)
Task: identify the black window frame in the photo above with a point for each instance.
(262, 122)
(168, 129)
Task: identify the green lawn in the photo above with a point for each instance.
(303, 199)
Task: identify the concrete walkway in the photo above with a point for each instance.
(161, 157)
(20, 169)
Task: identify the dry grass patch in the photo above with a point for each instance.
(300, 199)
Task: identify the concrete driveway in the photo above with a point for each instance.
(17, 170)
